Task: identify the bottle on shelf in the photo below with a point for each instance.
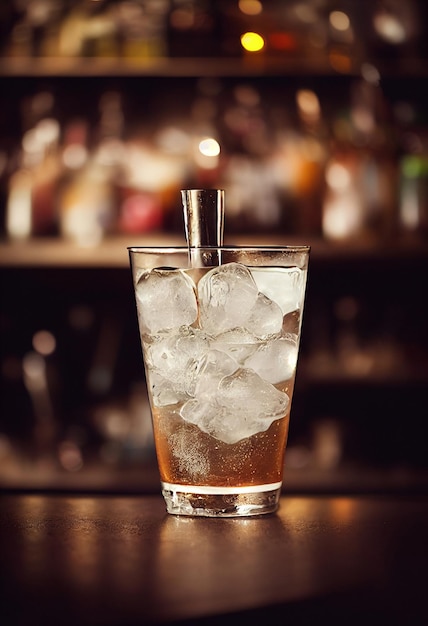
(87, 202)
(142, 28)
(88, 29)
(361, 191)
(31, 204)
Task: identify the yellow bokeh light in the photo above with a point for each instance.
(252, 42)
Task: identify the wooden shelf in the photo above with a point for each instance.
(112, 251)
(248, 66)
(56, 252)
(162, 66)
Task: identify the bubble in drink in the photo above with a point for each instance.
(190, 454)
(165, 299)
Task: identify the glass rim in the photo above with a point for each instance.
(227, 247)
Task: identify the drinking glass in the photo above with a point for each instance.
(220, 330)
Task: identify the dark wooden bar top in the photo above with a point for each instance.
(113, 560)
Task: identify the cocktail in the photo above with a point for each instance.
(220, 331)
(220, 346)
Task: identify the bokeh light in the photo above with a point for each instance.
(370, 73)
(339, 20)
(389, 27)
(337, 176)
(75, 156)
(209, 147)
(44, 342)
(252, 42)
(250, 7)
(308, 105)
(70, 456)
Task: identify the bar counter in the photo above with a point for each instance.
(120, 560)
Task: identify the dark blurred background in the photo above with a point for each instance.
(312, 115)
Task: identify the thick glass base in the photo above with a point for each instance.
(205, 501)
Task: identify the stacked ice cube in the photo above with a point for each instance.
(218, 348)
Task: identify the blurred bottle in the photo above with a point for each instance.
(142, 28)
(136, 207)
(4, 176)
(411, 124)
(18, 205)
(9, 15)
(300, 152)
(248, 171)
(194, 28)
(74, 157)
(149, 185)
(45, 180)
(89, 29)
(31, 205)
(35, 29)
(88, 203)
(361, 176)
(413, 214)
(343, 203)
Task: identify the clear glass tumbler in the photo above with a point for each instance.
(220, 334)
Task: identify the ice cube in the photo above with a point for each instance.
(237, 343)
(275, 360)
(243, 406)
(212, 368)
(165, 299)
(283, 285)
(163, 391)
(173, 360)
(265, 318)
(226, 296)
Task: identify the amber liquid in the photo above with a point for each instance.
(188, 456)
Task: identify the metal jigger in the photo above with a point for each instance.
(204, 224)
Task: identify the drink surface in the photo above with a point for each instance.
(220, 350)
